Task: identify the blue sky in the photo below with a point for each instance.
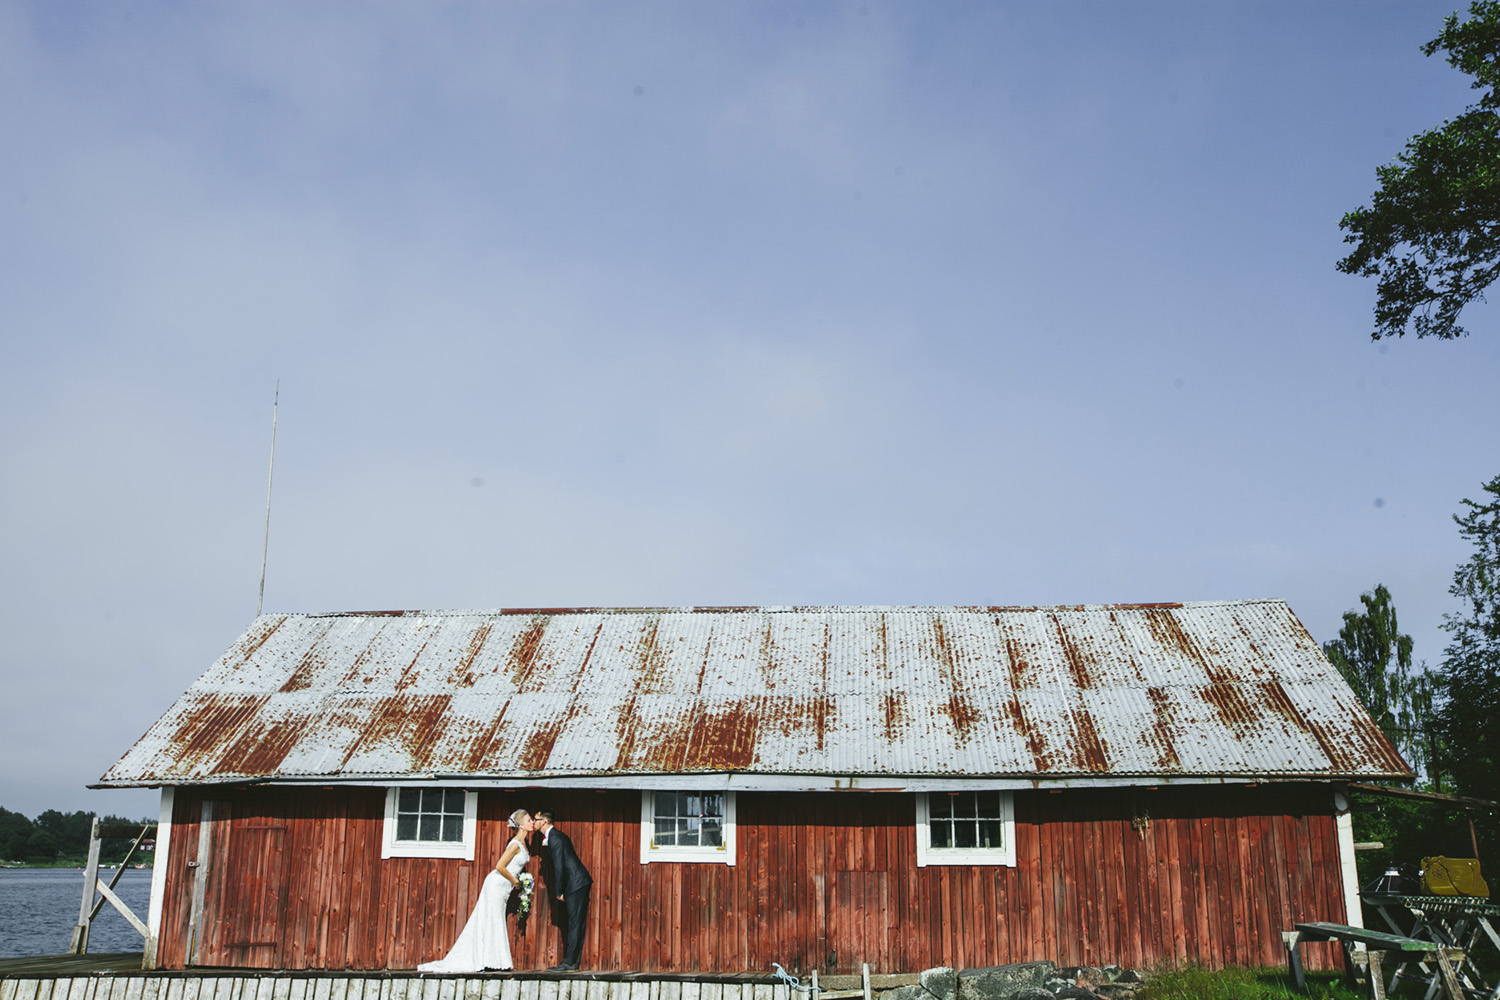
(643, 304)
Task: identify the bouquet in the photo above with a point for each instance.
(528, 883)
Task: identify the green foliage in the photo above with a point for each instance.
(1194, 983)
(1432, 232)
(1468, 722)
(56, 836)
(1375, 658)
(1410, 830)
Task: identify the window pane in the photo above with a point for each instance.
(430, 827)
(989, 805)
(942, 834)
(712, 835)
(666, 804)
(713, 804)
(964, 834)
(453, 827)
(666, 833)
(406, 828)
(940, 806)
(409, 801)
(687, 831)
(963, 805)
(989, 833)
(692, 805)
(454, 802)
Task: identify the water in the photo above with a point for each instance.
(39, 906)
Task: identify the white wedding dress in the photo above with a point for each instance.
(484, 942)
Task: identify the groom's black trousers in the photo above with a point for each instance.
(577, 903)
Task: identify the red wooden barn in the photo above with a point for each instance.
(819, 787)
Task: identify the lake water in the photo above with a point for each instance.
(39, 906)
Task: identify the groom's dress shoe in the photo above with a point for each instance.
(564, 967)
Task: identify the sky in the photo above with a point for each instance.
(631, 304)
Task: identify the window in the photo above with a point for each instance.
(693, 826)
(429, 823)
(965, 828)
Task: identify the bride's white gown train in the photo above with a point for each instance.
(484, 942)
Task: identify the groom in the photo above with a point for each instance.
(572, 885)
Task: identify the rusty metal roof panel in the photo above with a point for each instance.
(1210, 690)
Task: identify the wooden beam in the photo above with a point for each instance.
(121, 869)
(1457, 801)
(119, 904)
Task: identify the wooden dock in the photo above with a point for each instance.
(119, 977)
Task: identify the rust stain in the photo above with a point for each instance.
(1077, 666)
(315, 659)
(1168, 631)
(1162, 725)
(1234, 710)
(1343, 758)
(414, 723)
(1034, 742)
(820, 709)
(724, 740)
(523, 651)
(538, 749)
(463, 674)
(1089, 752)
(259, 750)
(895, 714)
(210, 725)
(253, 642)
(958, 706)
(653, 669)
(1022, 673)
(409, 674)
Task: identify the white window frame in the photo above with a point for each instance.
(390, 847)
(1004, 855)
(650, 853)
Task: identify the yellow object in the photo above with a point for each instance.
(1454, 877)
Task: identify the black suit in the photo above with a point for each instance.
(573, 882)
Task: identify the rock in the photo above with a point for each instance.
(1084, 975)
(1118, 991)
(1112, 972)
(941, 983)
(1055, 983)
(1128, 976)
(1002, 982)
(906, 993)
(1033, 993)
(1075, 993)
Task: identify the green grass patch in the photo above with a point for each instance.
(1194, 983)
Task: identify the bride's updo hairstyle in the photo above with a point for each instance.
(515, 818)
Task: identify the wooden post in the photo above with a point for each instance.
(814, 994)
(115, 879)
(864, 975)
(80, 944)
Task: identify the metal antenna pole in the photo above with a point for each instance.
(266, 540)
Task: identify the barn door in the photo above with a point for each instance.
(245, 887)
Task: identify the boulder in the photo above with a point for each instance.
(1004, 982)
(1033, 993)
(941, 983)
(1075, 993)
(906, 993)
(1128, 976)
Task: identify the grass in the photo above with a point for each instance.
(1194, 983)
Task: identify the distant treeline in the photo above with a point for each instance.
(56, 836)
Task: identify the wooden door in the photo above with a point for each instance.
(246, 886)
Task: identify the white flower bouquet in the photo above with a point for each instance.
(528, 883)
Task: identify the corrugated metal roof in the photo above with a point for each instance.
(1171, 691)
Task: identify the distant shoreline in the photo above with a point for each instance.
(63, 865)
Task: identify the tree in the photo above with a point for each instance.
(1468, 722)
(1432, 233)
(1375, 658)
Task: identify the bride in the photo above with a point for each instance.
(484, 942)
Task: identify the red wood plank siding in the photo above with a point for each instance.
(822, 880)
